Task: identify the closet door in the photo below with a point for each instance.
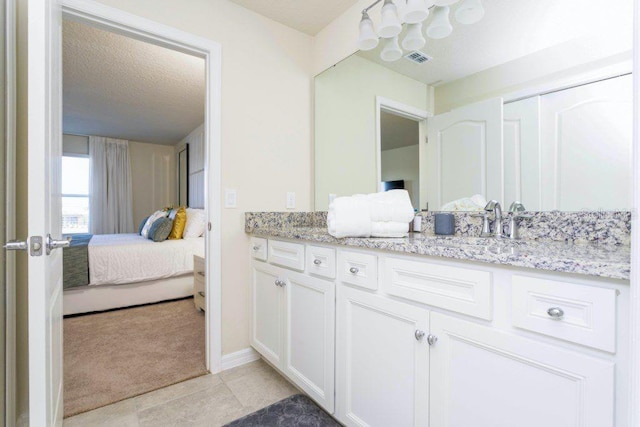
(464, 153)
(586, 150)
(267, 314)
(521, 152)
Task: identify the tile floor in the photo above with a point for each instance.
(211, 400)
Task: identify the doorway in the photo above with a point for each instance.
(114, 21)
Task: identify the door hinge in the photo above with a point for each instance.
(35, 245)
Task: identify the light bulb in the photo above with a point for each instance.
(368, 38)
(440, 27)
(416, 11)
(390, 24)
(391, 50)
(413, 39)
(469, 12)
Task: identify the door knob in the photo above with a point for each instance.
(52, 243)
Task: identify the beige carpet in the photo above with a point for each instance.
(119, 354)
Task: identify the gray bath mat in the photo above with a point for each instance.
(294, 411)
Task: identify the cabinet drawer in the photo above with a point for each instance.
(578, 313)
(463, 290)
(321, 261)
(198, 282)
(359, 269)
(286, 254)
(258, 248)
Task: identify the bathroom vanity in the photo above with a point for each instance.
(445, 331)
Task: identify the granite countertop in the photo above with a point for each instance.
(610, 261)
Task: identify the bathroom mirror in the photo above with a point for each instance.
(533, 103)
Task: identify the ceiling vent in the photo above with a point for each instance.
(417, 57)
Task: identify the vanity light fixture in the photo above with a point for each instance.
(415, 13)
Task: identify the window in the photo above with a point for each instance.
(75, 195)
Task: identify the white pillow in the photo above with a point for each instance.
(152, 218)
(196, 223)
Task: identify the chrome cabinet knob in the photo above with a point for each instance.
(354, 270)
(256, 248)
(280, 283)
(317, 261)
(419, 334)
(555, 312)
(432, 339)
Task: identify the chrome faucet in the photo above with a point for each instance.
(516, 210)
(494, 206)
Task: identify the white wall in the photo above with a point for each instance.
(403, 163)
(345, 124)
(266, 126)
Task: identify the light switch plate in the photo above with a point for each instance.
(230, 198)
(291, 200)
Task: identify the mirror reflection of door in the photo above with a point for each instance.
(183, 176)
(400, 157)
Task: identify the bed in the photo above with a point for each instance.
(102, 272)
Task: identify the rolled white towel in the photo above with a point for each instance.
(349, 217)
(389, 229)
(391, 206)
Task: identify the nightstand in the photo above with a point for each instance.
(198, 282)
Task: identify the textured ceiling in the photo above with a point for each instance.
(308, 16)
(124, 88)
(512, 29)
(397, 131)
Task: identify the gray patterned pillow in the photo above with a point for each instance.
(144, 221)
(160, 229)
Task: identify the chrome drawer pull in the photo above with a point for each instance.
(354, 270)
(317, 261)
(555, 312)
(256, 248)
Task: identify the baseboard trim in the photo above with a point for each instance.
(239, 358)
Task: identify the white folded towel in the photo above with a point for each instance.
(349, 217)
(393, 205)
(389, 229)
(381, 215)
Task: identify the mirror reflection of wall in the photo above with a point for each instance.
(183, 176)
(519, 110)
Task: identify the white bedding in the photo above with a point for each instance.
(116, 259)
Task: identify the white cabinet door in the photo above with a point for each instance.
(382, 368)
(267, 312)
(464, 153)
(310, 336)
(482, 377)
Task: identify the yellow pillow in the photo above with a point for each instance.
(179, 222)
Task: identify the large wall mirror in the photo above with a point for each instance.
(531, 104)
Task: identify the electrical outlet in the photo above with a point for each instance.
(291, 200)
(230, 198)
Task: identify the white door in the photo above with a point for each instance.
(44, 218)
(483, 377)
(522, 153)
(267, 312)
(464, 153)
(586, 149)
(382, 361)
(310, 336)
